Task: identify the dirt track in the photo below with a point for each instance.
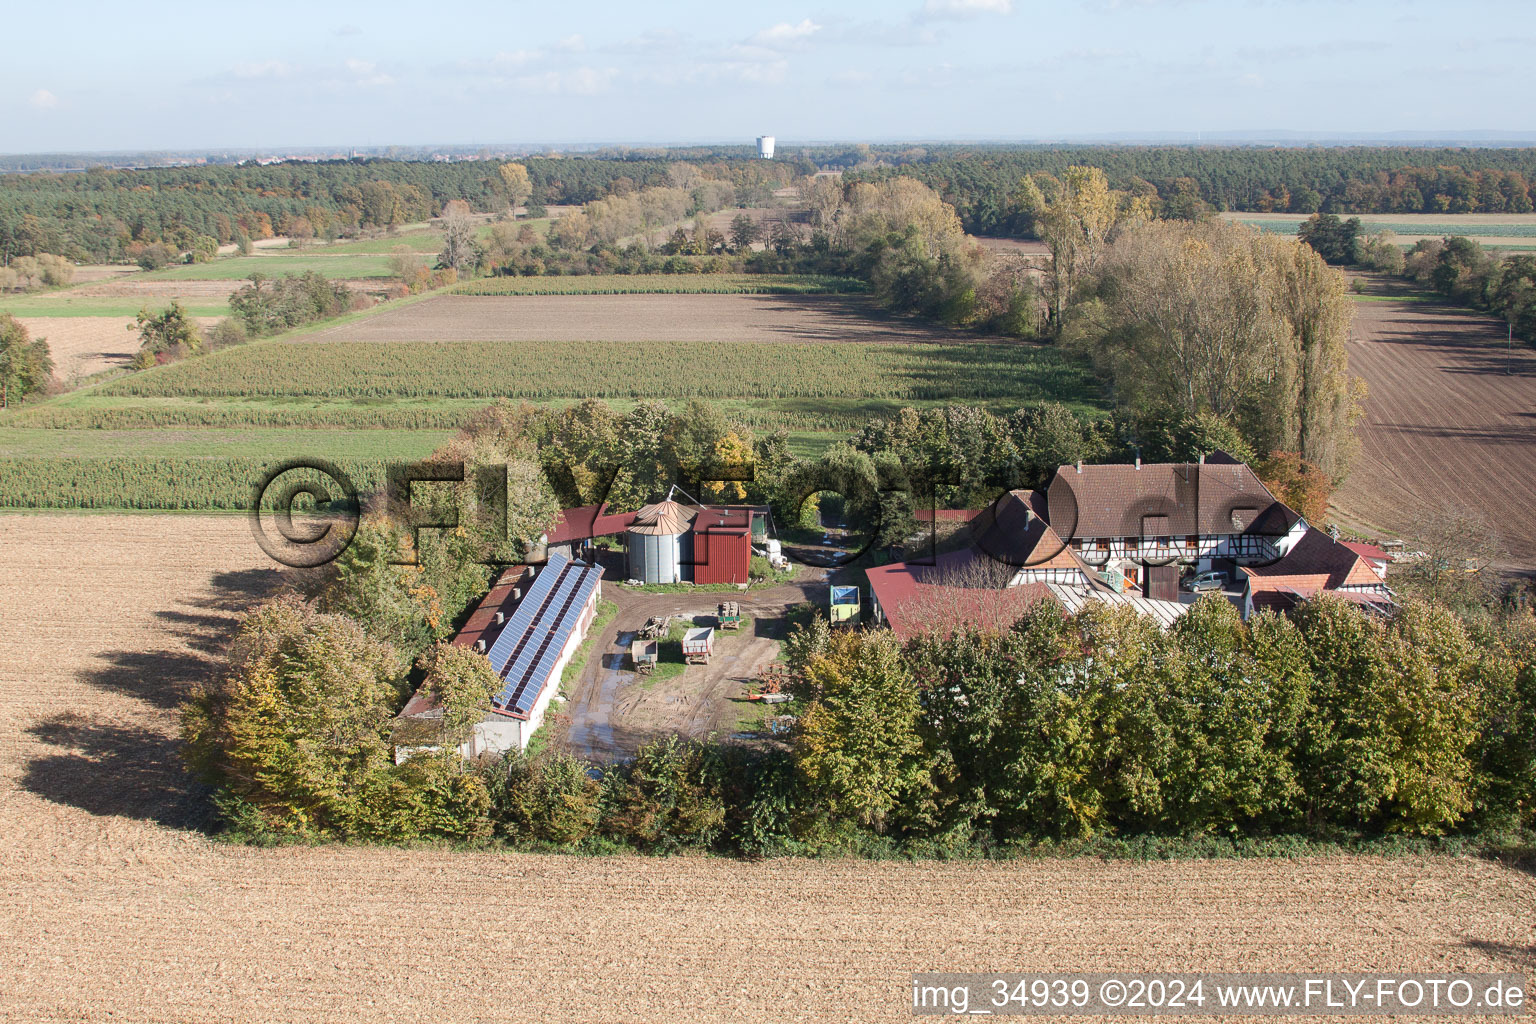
(113, 906)
(1444, 421)
(612, 712)
(764, 318)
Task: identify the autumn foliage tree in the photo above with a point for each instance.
(25, 364)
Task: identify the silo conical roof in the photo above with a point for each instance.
(663, 518)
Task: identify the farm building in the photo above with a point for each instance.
(529, 626)
(910, 599)
(576, 528)
(668, 541)
(1121, 534)
(1316, 564)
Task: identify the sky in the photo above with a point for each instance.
(99, 77)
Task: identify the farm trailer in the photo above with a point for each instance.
(698, 645)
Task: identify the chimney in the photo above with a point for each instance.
(1079, 466)
(479, 646)
(501, 618)
(1202, 458)
(1138, 456)
(517, 593)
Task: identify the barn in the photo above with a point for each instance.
(551, 609)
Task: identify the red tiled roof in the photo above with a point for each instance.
(586, 522)
(1317, 561)
(911, 603)
(1369, 552)
(946, 515)
(481, 625)
(1012, 532)
(1220, 496)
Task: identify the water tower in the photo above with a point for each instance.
(765, 146)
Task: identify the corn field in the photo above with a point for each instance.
(663, 284)
(185, 484)
(554, 370)
(149, 415)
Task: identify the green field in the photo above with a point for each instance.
(37, 442)
(54, 304)
(281, 261)
(655, 284)
(449, 369)
(195, 434)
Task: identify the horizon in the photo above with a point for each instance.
(943, 71)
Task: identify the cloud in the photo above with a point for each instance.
(653, 43)
(42, 99)
(583, 81)
(348, 30)
(964, 8)
(262, 69)
(506, 60)
(574, 43)
(366, 73)
(785, 36)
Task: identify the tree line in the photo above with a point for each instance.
(1455, 267)
(983, 183)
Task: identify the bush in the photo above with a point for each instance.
(551, 798)
(668, 798)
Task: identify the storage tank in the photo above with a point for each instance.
(765, 146)
(657, 542)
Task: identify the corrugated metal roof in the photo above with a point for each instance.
(531, 641)
(664, 518)
(1075, 599)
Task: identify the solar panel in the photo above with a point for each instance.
(531, 642)
(516, 626)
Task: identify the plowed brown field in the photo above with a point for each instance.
(1450, 418)
(113, 907)
(765, 318)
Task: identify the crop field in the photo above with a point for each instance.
(1515, 232)
(91, 411)
(1449, 419)
(619, 369)
(117, 906)
(650, 318)
(32, 442)
(83, 345)
(182, 469)
(68, 304)
(662, 284)
(281, 261)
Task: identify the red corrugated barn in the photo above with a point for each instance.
(722, 545)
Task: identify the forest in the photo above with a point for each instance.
(96, 215)
(1186, 181)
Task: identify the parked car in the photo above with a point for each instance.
(1205, 581)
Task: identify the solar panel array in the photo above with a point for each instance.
(531, 641)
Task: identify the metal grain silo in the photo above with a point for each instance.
(657, 542)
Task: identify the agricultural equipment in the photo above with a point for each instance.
(844, 607)
(729, 615)
(655, 628)
(769, 698)
(698, 645)
(643, 654)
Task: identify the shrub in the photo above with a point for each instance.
(667, 798)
